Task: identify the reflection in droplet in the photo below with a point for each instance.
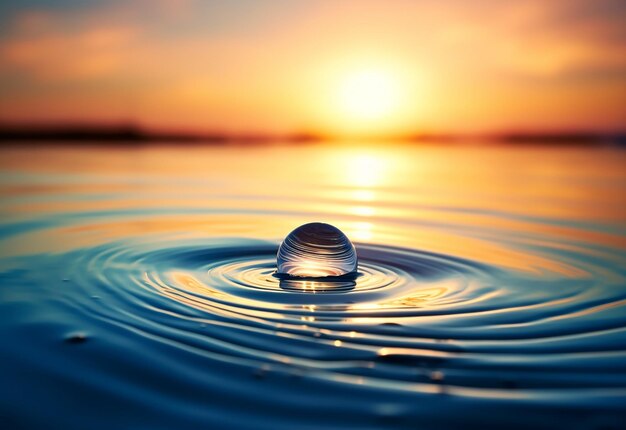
(304, 285)
(316, 250)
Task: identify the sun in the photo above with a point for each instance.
(370, 94)
(371, 97)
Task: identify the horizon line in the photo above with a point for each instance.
(135, 133)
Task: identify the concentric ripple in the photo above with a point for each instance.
(409, 323)
(475, 324)
(173, 320)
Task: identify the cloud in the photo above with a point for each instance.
(70, 55)
(256, 63)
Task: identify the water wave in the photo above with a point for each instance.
(200, 329)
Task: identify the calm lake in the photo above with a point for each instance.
(138, 287)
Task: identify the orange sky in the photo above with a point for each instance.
(338, 67)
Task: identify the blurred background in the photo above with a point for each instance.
(314, 69)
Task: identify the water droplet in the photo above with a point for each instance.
(316, 250)
(76, 338)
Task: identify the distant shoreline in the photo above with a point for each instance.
(133, 135)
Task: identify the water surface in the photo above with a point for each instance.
(138, 288)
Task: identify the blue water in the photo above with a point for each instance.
(138, 288)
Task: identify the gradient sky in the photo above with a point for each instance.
(286, 65)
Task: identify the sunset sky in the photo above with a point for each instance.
(335, 67)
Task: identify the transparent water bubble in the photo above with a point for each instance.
(316, 250)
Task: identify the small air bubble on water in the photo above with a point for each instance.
(316, 250)
(76, 338)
